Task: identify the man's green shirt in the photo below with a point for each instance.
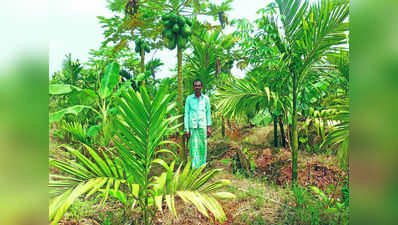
(197, 112)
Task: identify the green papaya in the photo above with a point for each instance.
(140, 42)
(171, 44)
(181, 42)
(176, 28)
(147, 49)
(180, 21)
(169, 34)
(168, 24)
(138, 49)
(188, 21)
(166, 17)
(186, 30)
(173, 18)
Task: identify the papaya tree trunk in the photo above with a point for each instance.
(275, 131)
(294, 133)
(143, 64)
(180, 104)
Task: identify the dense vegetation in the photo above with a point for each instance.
(117, 143)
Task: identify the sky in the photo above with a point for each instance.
(75, 29)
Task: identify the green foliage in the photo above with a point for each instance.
(262, 119)
(240, 96)
(110, 80)
(75, 110)
(127, 175)
(86, 176)
(99, 102)
(340, 134)
(316, 207)
(70, 73)
(192, 187)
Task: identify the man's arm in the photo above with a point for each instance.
(186, 119)
(208, 117)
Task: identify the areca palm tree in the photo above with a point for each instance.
(208, 56)
(308, 33)
(304, 33)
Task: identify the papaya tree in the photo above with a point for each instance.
(177, 22)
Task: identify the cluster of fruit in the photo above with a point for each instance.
(177, 30)
(141, 44)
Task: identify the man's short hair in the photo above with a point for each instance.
(197, 80)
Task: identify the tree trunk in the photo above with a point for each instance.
(243, 160)
(180, 139)
(143, 64)
(294, 133)
(282, 132)
(275, 131)
(222, 126)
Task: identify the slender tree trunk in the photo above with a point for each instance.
(222, 126)
(143, 64)
(275, 131)
(282, 132)
(180, 139)
(294, 133)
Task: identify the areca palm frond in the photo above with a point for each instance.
(202, 65)
(241, 96)
(84, 176)
(291, 14)
(141, 129)
(192, 187)
(324, 28)
(310, 29)
(138, 112)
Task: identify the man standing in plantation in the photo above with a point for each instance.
(197, 122)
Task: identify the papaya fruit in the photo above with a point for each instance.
(173, 17)
(169, 34)
(176, 28)
(165, 17)
(171, 44)
(138, 49)
(188, 21)
(186, 30)
(181, 42)
(147, 49)
(180, 20)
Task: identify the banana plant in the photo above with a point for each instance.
(99, 101)
(126, 174)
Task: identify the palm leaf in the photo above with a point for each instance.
(84, 176)
(194, 187)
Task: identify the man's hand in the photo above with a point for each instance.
(208, 131)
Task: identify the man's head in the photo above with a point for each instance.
(197, 86)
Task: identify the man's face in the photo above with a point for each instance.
(197, 86)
